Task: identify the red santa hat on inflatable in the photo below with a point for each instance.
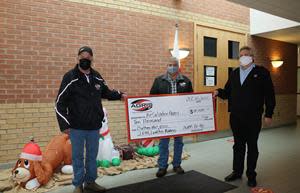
(148, 143)
(31, 151)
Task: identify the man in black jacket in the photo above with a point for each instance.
(171, 83)
(248, 89)
(80, 114)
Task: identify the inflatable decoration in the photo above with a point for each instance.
(107, 154)
(148, 149)
(34, 169)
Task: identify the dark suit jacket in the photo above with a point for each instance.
(250, 98)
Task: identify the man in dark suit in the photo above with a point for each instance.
(248, 89)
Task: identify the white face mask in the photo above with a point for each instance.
(245, 60)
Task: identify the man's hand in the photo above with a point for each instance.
(268, 121)
(67, 131)
(215, 94)
(123, 96)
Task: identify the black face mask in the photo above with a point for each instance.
(84, 63)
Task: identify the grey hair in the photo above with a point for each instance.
(173, 59)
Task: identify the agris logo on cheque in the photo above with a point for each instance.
(141, 105)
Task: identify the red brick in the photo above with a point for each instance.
(41, 40)
(285, 77)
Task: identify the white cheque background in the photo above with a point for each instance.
(172, 115)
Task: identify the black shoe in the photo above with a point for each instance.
(161, 172)
(252, 182)
(94, 187)
(178, 170)
(233, 176)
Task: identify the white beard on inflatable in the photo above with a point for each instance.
(107, 154)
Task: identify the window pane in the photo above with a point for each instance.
(210, 46)
(233, 49)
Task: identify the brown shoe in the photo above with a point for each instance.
(161, 172)
(178, 170)
(78, 189)
(94, 187)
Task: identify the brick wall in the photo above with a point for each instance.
(217, 8)
(285, 110)
(20, 121)
(40, 41)
(284, 77)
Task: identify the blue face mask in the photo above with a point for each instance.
(172, 69)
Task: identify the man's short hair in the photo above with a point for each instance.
(173, 59)
(245, 48)
(248, 49)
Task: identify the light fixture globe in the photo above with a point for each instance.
(183, 52)
(276, 63)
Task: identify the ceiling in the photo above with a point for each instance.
(291, 35)
(288, 9)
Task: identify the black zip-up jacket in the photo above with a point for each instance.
(248, 100)
(78, 103)
(161, 85)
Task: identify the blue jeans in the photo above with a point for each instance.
(90, 139)
(164, 152)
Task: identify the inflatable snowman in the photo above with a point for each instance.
(107, 154)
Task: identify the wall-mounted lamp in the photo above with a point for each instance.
(183, 52)
(276, 63)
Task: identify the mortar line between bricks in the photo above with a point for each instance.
(162, 11)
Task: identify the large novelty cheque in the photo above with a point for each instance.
(172, 115)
